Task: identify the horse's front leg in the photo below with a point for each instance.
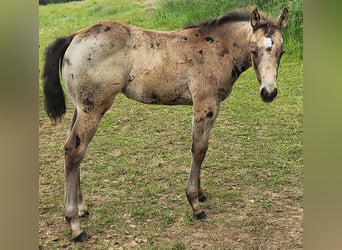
(205, 114)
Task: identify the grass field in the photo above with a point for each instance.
(136, 168)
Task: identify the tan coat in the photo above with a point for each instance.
(193, 66)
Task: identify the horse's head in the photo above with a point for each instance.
(266, 50)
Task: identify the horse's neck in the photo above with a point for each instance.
(237, 37)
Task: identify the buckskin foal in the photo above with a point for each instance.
(192, 66)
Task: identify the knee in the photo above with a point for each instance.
(199, 150)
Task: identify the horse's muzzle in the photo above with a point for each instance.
(268, 96)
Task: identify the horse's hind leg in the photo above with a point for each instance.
(82, 208)
(79, 137)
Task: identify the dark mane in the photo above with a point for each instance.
(231, 16)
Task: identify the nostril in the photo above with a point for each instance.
(274, 93)
(263, 92)
(266, 96)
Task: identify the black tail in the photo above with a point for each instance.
(53, 92)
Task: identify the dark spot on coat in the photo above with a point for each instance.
(127, 29)
(235, 72)
(235, 44)
(209, 39)
(223, 52)
(78, 141)
(154, 45)
(88, 105)
(245, 65)
(222, 93)
(67, 61)
(89, 57)
(131, 78)
(200, 52)
(155, 98)
(106, 28)
(210, 114)
(88, 102)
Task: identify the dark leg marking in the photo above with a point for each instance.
(202, 199)
(78, 141)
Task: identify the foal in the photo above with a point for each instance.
(193, 66)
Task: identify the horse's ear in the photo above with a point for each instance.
(283, 18)
(255, 18)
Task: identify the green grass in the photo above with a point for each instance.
(136, 168)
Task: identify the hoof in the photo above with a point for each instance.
(203, 198)
(201, 216)
(81, 237)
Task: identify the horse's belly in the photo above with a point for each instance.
(158, 93)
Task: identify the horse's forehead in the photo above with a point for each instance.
(267, 42)
(268, 39)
